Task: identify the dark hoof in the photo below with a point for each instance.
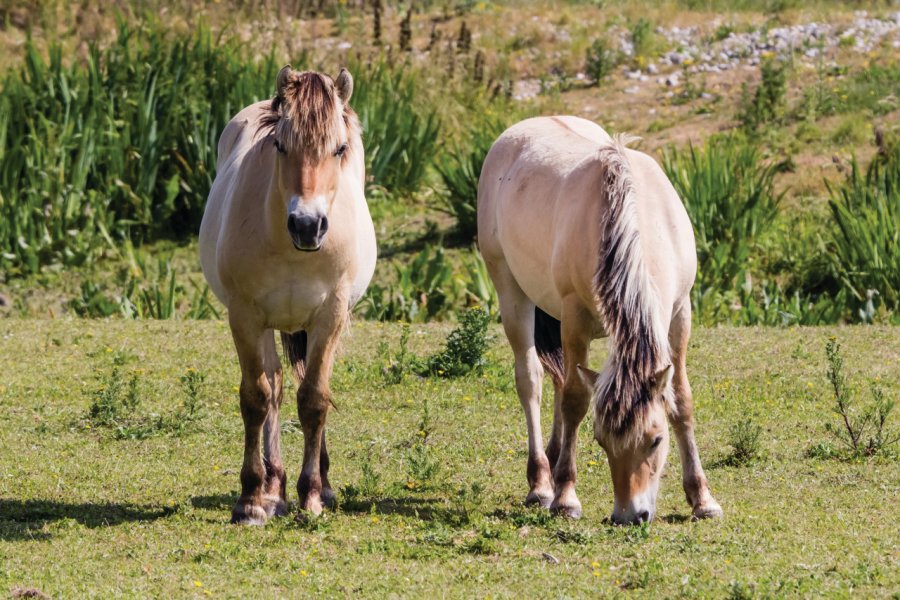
(569, 512)
(544, 499)
(328, 498)
(248, 514)
(710, 510)
(312, 504)
(275, 506)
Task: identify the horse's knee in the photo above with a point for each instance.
(575, 401)
(312, 404)
(254, 403)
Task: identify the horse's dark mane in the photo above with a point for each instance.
(628, 302)
(304, 117)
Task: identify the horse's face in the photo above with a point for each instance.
(310, 170)
(312, 186)
(636, 460)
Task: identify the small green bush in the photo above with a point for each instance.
(601, 60)
(766, 106)
(465, 347)
(862, 433)
(743, 437)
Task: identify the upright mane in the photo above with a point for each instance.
(306, 116)
(629, 306)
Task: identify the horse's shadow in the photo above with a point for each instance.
(423, 508)
(26, 519)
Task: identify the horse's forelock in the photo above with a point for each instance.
(623, 400)
(309, 117)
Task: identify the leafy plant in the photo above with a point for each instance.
(861, 433)
(460, 168)
(730, 197)
(400, 136)
(424, 289)
(743, 437)
(401, 364)
(601, 60)
(422, 466)
(865, 243)
(767, 104)
(465, 347)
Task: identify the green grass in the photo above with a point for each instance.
(83, 514)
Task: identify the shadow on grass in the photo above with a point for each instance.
(674, 518)
(25, 519)
(215, 501)
(426, 509)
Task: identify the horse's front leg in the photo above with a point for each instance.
(275, 493)
(257, 395)
(573, 405)
(313, 402)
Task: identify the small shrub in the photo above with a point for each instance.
(422, 466)
(601, 60)
(743, 437)
(861, 433)
(766, 105)
(465, 347)
(402, 363)
(116, 398)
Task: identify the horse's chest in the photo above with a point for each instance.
(292, 306)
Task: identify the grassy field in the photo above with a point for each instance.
(84, 513)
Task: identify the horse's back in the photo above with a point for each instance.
(541, 206)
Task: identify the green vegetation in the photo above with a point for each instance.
(83, 512)
(860, 433)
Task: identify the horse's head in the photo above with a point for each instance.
(313, 131)
(634, 433)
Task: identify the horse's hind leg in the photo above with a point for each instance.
(275, 495)
(696, 488)
(577, 326)
(517, 313)
(256, 398)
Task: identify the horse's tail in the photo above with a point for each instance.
(548, 343)
(628, 302)
(294, 345)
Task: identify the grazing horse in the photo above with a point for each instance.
(287, 243)
(584, 238)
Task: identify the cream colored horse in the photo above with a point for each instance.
(584, 238)
(287, 243)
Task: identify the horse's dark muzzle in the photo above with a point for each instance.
(307, 231)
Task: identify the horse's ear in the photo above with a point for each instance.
(344, 85)
(661, 380)
(284, 75)
(588, 376)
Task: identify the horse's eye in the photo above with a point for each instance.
(279, 147)
(656, 442)
(341, 151)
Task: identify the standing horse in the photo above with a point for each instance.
(584, 238)
(287, 243)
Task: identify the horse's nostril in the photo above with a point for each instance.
(323, 225)
(643, 516)
(293, 223)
